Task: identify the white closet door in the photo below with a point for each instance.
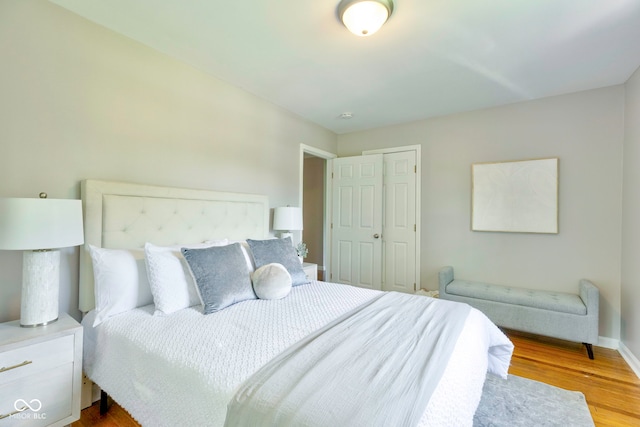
(357, 221)
(399, 222)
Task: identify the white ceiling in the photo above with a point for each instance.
(432, 58)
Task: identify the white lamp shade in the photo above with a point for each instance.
(287, 218)
(32, 224)
(363, 18)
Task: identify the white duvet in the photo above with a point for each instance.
(184, 368)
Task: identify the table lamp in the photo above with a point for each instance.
(287, 219)
(39, 227)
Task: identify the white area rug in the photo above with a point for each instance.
(520, 402)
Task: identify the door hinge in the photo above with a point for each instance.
(331, 175)
(415, 228)
(415, 168)
(332, 226)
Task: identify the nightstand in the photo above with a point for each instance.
(311, 270)
(40, 373)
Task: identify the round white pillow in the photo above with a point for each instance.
(271, 281)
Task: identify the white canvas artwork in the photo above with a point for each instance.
(519, 196)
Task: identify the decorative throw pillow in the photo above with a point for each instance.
(120, 281)
(170, 280)
(271, 281)
(247, 255)
(280, 251)
(221, 275)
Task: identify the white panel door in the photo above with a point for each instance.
(399, 222)
(356, 244)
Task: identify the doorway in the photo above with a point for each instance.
(314, 164)
(400, 260)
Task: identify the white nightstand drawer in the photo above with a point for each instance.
(310, 270)
(29, 360)
(39, 399)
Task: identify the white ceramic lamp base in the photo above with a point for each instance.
(40, 287)
(285, 234)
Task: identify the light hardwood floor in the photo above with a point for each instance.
(612, 389)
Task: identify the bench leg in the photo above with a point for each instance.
(589, 350)
(104, 403)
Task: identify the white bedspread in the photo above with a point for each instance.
(376, 366)
(184, 368)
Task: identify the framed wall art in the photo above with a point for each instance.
(517, 196)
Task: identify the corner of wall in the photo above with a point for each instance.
(630, 358)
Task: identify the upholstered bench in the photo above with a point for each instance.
(553, 314)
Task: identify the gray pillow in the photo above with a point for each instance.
(221, 274)
(280, 251)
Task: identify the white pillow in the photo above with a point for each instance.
(271, 281)
(170, 279)
(120, 281)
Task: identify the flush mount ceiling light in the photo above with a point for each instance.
(364, 17)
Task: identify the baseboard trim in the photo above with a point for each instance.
(630, 358)
(610, 343)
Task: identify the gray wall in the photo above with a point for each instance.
(79, 101)
(585, 130)
(630, 333)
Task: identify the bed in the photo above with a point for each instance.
(185, 367)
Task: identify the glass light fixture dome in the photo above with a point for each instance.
(364, 17)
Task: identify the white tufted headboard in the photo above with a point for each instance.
(123, 215)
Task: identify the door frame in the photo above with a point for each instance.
(326, 216)
(418, 150)
(328, 156)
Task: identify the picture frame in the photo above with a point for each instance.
(518, 196)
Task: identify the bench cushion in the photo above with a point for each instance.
(546, 300)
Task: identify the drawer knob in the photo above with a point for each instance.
(19, 365)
